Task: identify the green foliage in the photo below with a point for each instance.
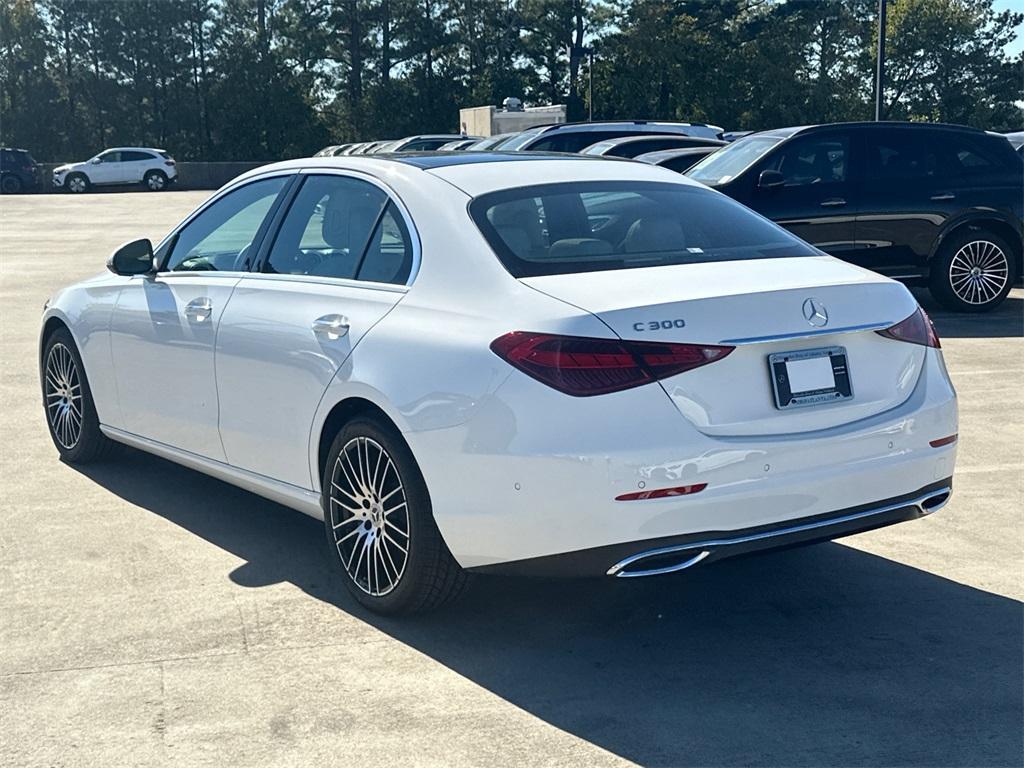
(263, 79)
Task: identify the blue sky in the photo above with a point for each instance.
(1017, 5)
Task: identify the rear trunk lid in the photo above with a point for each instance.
(759, 308)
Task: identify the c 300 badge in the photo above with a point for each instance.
(659, 325)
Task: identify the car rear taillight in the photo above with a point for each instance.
(168, 162)
(916, 329)
(583, 367)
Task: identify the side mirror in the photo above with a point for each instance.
(770, 180)
(133, 258)
(95, 161)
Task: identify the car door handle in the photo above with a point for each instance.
(199, 310)
(944, 196)
(834, 202)
(331, 326)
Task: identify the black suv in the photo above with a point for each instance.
(930, 204)
(18, 171)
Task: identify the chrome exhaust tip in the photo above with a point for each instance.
(621, 568)
(935, 502)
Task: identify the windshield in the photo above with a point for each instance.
(729, 162)
(521, 139)
(571, 227)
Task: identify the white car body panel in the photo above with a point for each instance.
(515, 469)
(163, 358)
(272, 371)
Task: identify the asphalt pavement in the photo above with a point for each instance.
(152, 616)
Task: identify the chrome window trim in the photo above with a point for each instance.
(321, 280)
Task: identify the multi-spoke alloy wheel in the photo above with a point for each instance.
(380, 524)
(978, 272)
(62, 389)
(67, 402)
(369, 516)
(77, 183)
(155, 181)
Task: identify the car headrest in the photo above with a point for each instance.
(578, 248)
(654, 234)
(347, 216)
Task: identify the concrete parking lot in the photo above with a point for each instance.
(152, 616)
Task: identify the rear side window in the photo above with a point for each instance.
(345, 228)
(574, 141)
(977, 158)
(591, 226)
(901, 156)
(635, 148)
(132, 157)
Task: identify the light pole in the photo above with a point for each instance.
(880, 66)
(589, 52)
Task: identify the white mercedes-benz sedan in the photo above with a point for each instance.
(508, 363)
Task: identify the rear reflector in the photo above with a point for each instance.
(943, 441)
(582, 367)
(916, 329)
(663, 493)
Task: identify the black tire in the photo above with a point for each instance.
(155, 181)
(357, 526)
(73, 186)
(10, 184)
(89, 443)
(973, 271)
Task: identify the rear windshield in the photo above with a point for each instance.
(556, 229)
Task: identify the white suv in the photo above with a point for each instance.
(122, 165)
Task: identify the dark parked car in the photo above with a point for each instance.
(933, 204)
(678, 160)
(18, 171)
(632, 146)
(572, 137)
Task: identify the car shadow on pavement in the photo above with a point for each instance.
(817, 656)
(1005, 321)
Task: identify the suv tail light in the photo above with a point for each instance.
(582, 367)
(916, 329)
(168, 162)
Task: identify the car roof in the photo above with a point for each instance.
(643, 125)
(477, 173)
(133, 149)
(667, 154)
(898, 124)
(647, 137)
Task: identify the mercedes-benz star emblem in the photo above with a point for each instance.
(815, 313)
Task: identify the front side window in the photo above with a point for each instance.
(220, 238)
(110, 157)
(590, 226)
(730, 161)
(812, 160)
(344, 228)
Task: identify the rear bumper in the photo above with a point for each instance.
(656, 557)
(535, 475)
